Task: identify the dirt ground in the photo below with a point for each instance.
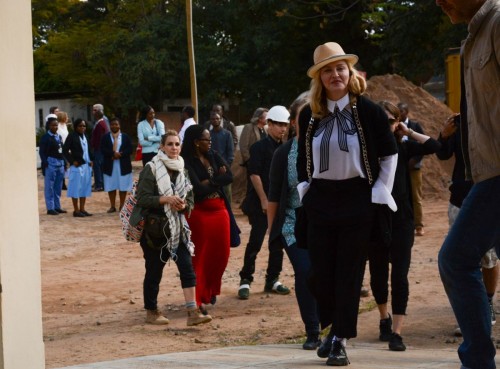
(92, 295)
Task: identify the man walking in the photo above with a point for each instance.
(477, 227)
(255, 206)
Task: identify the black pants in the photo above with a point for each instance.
(258, 221)
(146, 157)
(154, 271)
(398, 254)
(340, 217)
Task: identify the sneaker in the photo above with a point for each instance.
(457, 332)
(337, 356)
(312, 342)
(385, 328)
(396, 343)
(493, 315)
(325, 347)
(155, 317)
(195, 317)
(52, 212)
(244, 290)
(276, 287)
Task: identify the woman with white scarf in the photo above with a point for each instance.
(164, 190)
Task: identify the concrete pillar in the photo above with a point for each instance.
(21, 334)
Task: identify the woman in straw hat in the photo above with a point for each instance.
(346, 162)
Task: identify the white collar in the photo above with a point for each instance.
(342, 103)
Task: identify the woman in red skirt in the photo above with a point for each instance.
(209, 220)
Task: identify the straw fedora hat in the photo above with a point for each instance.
(328, 53)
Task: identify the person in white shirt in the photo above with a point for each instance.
(187, 118)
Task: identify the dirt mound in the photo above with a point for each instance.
(429, 112)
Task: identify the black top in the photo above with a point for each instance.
(401, 191)
(198, 173)
(261, 155)
(459, 187)
(73, 150)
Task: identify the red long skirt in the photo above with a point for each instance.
(209, 223)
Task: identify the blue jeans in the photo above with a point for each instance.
(299, 258)
(53, 181)
(98, 175)
(475, 231)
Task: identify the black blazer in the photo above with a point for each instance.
(278, 187)
(379, 139)
(107, 152)
(72, 149)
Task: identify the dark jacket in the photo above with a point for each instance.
(459, 187)
(49, 147)
(198, 173)
(278, 187)
(107, 152)
(73, 151)
(417, 159)
(380, 141)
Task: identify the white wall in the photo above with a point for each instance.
(73, 108)
(21, 334)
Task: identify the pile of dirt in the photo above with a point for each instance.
(430, 113)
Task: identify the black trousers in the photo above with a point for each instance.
(258, 221)
(340, 217)
(398, 254)
(154, 271)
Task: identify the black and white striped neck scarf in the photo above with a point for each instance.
(345, 126)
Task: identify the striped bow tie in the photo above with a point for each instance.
(345, 127)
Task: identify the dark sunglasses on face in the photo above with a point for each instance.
(392, 120)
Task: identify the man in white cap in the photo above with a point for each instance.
(255, 205)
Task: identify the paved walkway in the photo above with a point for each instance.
(362, 356)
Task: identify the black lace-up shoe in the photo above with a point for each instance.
(337, 356)
(396, 343)
(312, 342)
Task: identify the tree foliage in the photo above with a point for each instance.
(128, 53)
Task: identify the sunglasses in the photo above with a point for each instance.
(173, 144)
(392, 120)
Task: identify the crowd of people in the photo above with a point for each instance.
(335, 179)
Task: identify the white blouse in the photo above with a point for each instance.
(342, 162)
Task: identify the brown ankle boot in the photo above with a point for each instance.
(155, 317)
(195, 317)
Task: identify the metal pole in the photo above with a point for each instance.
(192, 67)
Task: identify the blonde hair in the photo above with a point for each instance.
(169, 132)
(317, 94)
(62, 116)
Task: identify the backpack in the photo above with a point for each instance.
(131, 232)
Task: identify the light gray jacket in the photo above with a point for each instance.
(481, 55)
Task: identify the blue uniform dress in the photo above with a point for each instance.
(117, 181)
(80, 178)
(53, 164)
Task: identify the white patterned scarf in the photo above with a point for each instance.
(179, 228)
